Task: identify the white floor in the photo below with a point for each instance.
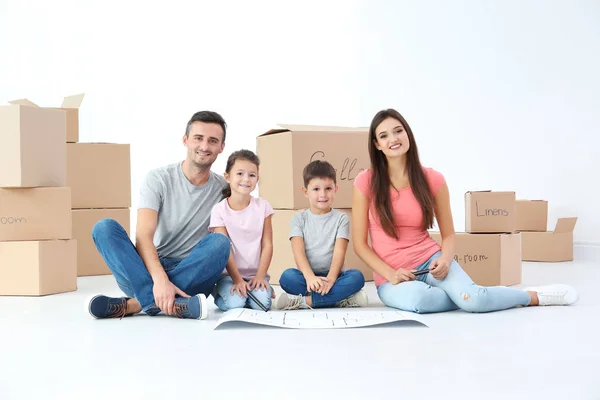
(50, 348)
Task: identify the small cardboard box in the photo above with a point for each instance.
(283, 257)
(489, 259)
(32, 143)
(35, 214)
(490, 212)
(532, 215)
(553, 246)
(99, 175)
(38, 268)
(285, 151)
(89, 260)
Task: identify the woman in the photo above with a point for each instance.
(395, 201)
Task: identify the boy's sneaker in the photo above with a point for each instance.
(555, 295)
(285, 301)
(358, 299)
(108, 307)
(191, 307)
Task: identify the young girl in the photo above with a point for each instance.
(395, 202)
(246, 220)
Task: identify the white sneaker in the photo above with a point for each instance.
(285, 301)
(358, 299)
(555, 295)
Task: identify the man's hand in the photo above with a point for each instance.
(439, 268)
(164, 294)
(313, 284)
(402, 275)
(241, 287)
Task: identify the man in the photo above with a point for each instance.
(175, 262)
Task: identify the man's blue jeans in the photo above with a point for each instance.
(457, 290)
(194, 274)
(348, 283)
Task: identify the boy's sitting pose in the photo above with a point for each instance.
(320, 236)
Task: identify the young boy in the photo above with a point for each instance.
(320, 236)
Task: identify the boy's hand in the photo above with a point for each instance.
(258, 283)
(240, 287)
(313, 284)
(326, 285)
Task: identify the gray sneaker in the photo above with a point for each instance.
(287, 301)
(358, 299)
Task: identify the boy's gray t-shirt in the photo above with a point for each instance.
(320, 233)
(183, 208)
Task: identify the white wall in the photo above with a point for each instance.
(500, 95)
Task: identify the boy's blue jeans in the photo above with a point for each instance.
(457, 290)
(194, 274)
(348, 283)
(227, 301)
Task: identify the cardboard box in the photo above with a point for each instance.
(70, 106)
(285, 151)
(38, 268)
(32, 146)
(283, 258)
(550, 246)
(489, 259)
(35, 214)
(532, 215)
(89, 260)
(490, 212)
(99, 175)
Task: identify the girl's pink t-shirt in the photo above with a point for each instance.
(245, 229)
(414, 245)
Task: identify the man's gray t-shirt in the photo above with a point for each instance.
(183, 208)
(320, 233)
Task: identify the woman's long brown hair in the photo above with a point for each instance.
(380, 180)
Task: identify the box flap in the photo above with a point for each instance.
(565, 225)
(313, 128)
(73, 101)
(23, 102)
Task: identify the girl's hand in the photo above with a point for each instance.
(402, 275)
(439, 268)
(313, 284)
(258, 283)
(240, 287)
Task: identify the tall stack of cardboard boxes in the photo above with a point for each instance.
(38, 255)
(490, 248)
(284, 152)
(538, 243)
(99, 175)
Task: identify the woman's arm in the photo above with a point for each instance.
(360, 234)
(443, 215)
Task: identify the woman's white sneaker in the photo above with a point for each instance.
(555, 295)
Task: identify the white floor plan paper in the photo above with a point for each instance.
(315, 319)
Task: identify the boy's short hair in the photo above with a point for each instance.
(318, 169)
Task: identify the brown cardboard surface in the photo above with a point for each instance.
(492, 259)
(490, 212)
(532, 215)
(38, 268)
(35, 214)
(556, 246)
(89, 260)
(71, 106)
(283, 258)
(99, 175)
(285, 151)
(32, 143)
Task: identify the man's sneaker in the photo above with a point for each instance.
(358, 299)
(555, 295)
(191, 307)
(287, 301)
(108, 307)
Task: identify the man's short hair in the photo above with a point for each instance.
(208, 117)
(318, 169)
